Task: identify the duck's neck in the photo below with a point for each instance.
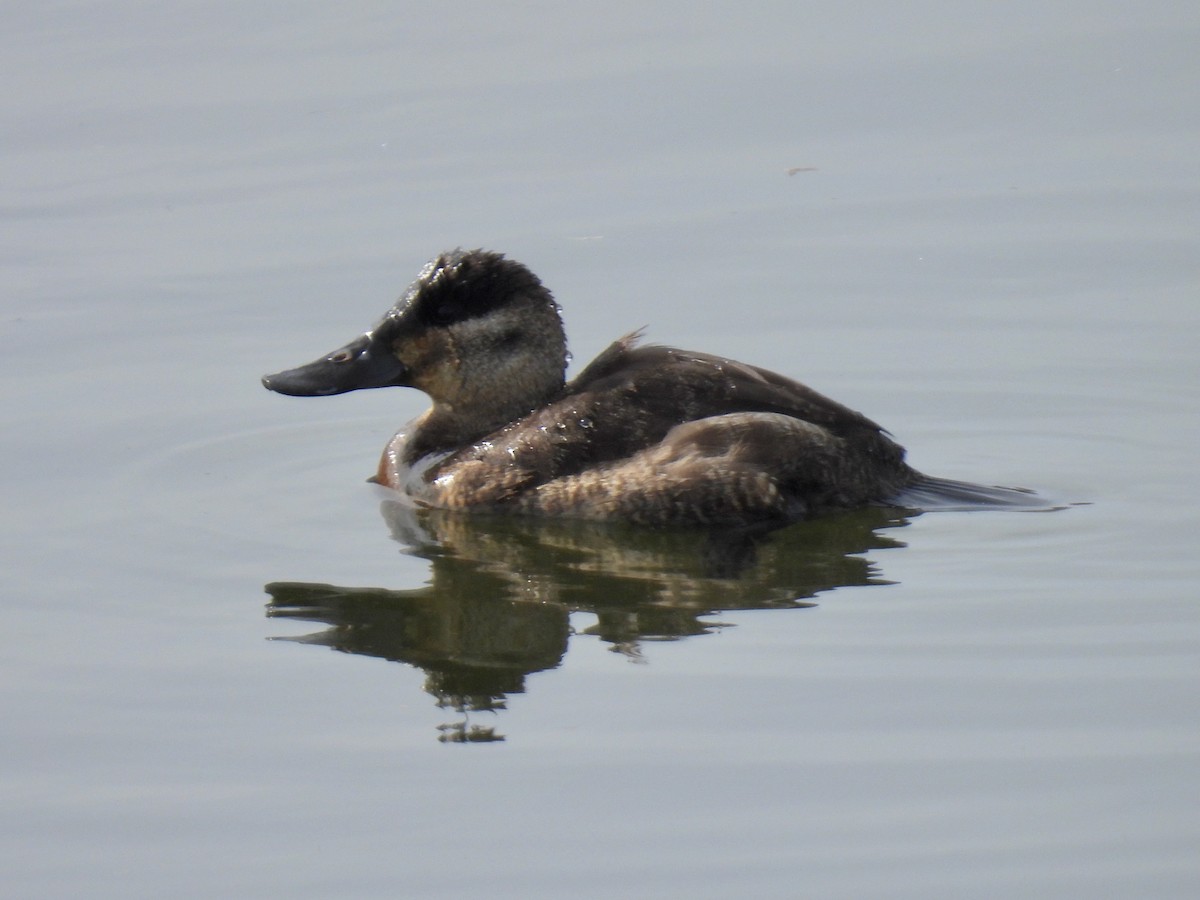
(445, 428)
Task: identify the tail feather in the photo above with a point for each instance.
(947, 494)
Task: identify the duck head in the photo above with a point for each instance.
(477, 332)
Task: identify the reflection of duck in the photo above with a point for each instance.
(506, 594)
(640, 573)
(474, 642)
(643, 434)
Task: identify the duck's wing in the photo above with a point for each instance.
(680, 386)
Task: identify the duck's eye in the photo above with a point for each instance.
(445, 312)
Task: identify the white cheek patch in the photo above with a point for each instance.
(496, 328)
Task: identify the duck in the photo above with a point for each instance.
(645, 434)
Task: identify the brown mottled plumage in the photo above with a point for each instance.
(644, 434)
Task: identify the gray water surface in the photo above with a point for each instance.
(978, 225)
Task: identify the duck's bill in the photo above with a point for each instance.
(363, 363)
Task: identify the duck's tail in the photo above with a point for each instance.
(928, 493)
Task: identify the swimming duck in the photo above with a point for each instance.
(645, 434)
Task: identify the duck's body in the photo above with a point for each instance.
(654, 434)
(642, 434)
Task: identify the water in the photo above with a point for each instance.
(990, 248)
